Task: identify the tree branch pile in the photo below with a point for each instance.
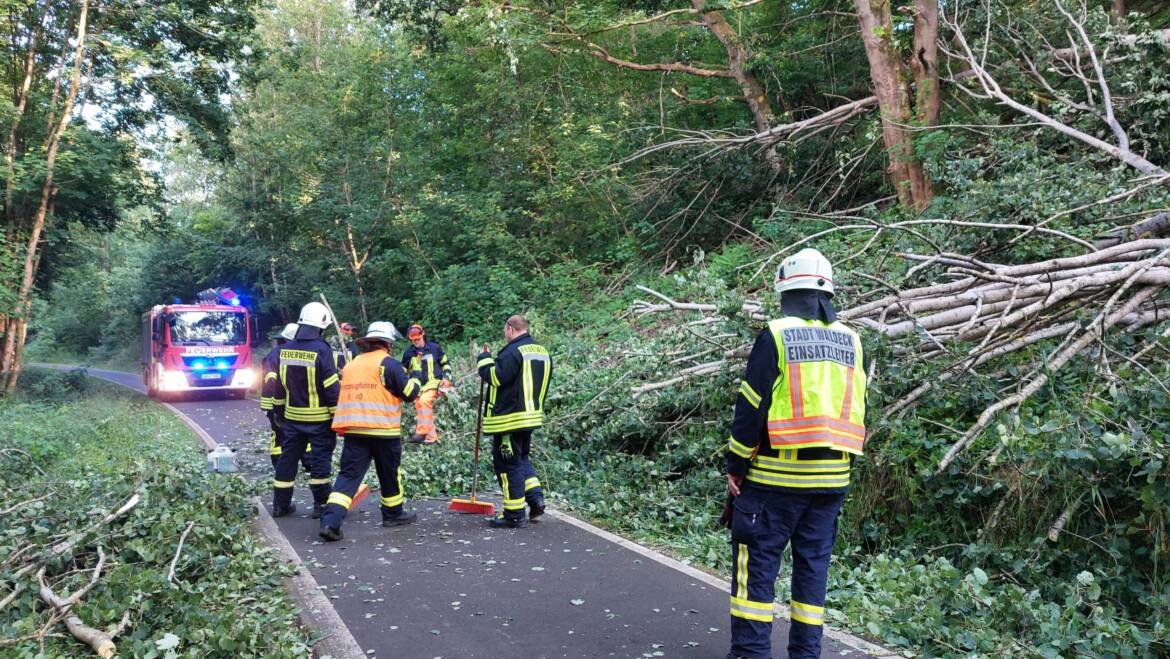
(975, 313)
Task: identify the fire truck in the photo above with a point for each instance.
(205, 346)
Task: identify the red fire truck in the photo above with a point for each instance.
(204, 346)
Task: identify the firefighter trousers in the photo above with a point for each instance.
(298, 437)
(764, 522)
(357, 452)
(275, 444)
(512, 463)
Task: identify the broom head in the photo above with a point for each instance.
(363, 490)
(472, 506)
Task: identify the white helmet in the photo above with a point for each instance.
(289, 332)
(382, 330)
(315, 314)
(807, 269)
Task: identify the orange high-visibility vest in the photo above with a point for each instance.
(365, 407)
(819, 398)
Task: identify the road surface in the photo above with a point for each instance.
(448, 586)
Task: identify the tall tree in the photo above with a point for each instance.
(111, 69)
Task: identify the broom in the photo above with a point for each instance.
(471, 505)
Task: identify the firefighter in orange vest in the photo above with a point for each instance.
(369, 415)
(799, 420)
(427, 358)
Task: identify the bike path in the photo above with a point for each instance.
(449, 586)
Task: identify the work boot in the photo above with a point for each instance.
(535, 509)
(281, 511)
(331, 533)
(431, 439)
(318, 510)
(502, 522)
(417, 438)
(404, 517)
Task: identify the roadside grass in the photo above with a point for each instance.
(72, 450)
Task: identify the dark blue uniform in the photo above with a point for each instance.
(304, 397)
(384, 450)
(767, 518)
(517, 378)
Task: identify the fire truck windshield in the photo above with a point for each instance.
(208, 328)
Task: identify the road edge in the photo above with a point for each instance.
(316, 611)
(844, 638)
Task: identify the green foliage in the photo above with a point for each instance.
(90, 447)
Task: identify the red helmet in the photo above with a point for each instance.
(347, 329)
(415, 330)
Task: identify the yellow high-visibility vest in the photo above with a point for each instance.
(819, 398)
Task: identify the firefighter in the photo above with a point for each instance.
(799, 420)
(267, 388)
(517, 380)
(304, 400)
(369, 416)
(428, 358)
(345, 343)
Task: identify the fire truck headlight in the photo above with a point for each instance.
(174, 381)
(244, 377)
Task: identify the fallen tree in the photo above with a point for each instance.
(974, 312)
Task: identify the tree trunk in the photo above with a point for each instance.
(925, 63)
(11, 364)
(754, 93)
(21, 102)
(885, 67)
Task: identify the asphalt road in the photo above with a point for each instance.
(448, 586)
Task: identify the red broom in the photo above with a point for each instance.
(471, 505)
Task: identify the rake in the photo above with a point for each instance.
(472, 505)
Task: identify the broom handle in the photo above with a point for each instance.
(478, 430)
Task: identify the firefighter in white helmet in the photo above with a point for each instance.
(304, 398)
(369, 418)
(799, 420)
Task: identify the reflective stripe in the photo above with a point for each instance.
(282, 484)
(750, 395)
(797, 424)
(330, 381)
(510, 504)
(495, 378)
(739, 449)
(535, 356)
(807, 613)
(513, 421)
(319, 481)
(531, 483)
(796, 389)
(273, 447)
(741, 571)
(395, 500)
(749, 610)
(797, 480)
(307, 414)
(819, 437)
(339, 499)
(366, 405)
(345, 422)
(373, 432)
(773, 464)
(486, 361)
